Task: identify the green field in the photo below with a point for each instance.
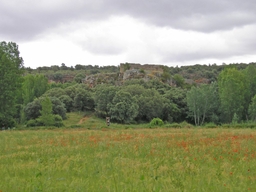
(128, 160)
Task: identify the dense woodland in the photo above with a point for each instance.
(197, 94)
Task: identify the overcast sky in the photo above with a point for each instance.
(110, 32)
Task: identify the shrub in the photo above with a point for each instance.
(250, 125)
(173, 125)
(58, 121)
(34, 123)
(210, 125)
(226, 125)
(75, 126)
(156, 122)
(38, 122)
(185, 124)
(243, 125)
(6, 123)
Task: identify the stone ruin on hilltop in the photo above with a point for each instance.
(145, 67)
(133, 70)
(127, 71)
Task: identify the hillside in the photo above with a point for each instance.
(116, 75)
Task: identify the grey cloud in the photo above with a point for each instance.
(198, 15)
(201, 55)
(218, 45)
(26, 19)
(23, 21)
(235, 46)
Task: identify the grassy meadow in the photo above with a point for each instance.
(111, 159)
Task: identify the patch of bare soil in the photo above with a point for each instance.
(83, 120)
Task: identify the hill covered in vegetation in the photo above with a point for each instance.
(134, 93)
(128, 93)
(193, 74)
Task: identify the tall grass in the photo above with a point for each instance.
(128, 160)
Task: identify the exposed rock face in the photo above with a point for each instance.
(93, 80)
(131, 73)
(147, 68)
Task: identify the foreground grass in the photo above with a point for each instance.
(128, 160)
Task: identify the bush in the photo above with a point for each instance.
(38, 122)
(6, 123)
(239, 125)
(58, 121)
(226, 125)
(250, 125)
(156, 122)
(32, 110)
(210, 125)
(76, 126)
(244, 125)
(173, 125)
(185, 124)
(34, 123)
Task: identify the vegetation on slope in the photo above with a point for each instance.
(195, 94)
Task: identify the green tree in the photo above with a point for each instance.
(233, 94)
(150, 105)
(79, 67)
(124, 107)
(11, 70)
(150, 102)
(58, 107)
(46, 117)
(55, 92)
(83, 100)
(79, 77)
(135, 89)
(166, 76)
(33, 86)
(179, 80)
(170, 110)
(177, 100)
(58, 77)
(32, 109)
(71, 91)
(252, 109)
(134, 82)
(69, 103)
(250, 74)
(158, 85)
(202, 102)
(41, 85)
(28, 92)
(63, 66)
(103, 98)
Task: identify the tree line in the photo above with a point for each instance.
(30, 99)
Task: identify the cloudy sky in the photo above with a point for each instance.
(110, 32)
